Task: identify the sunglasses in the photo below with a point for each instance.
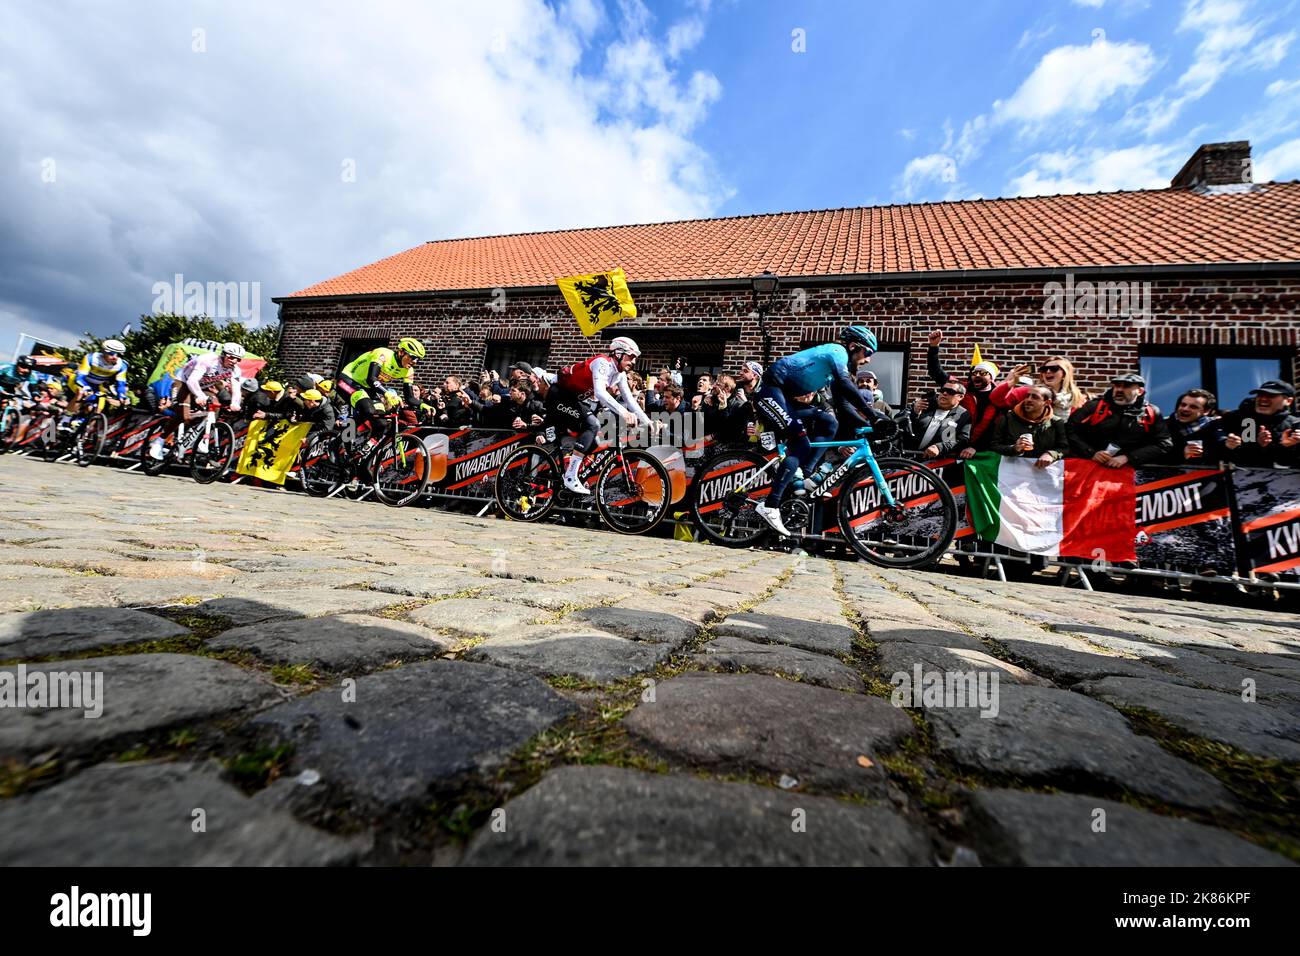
(949, 391)
(1051, 368)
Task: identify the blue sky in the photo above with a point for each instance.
(237, 142)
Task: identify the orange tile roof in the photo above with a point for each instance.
(1152, 227)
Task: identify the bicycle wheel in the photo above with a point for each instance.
(913, 534)
(9, 419)
(634, 495)
(320, 467)
(401, 470)
(148, 463)
(90, 439)
(527, 484)
(723, 514)
(209, 460)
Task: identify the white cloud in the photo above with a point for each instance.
(907, 134)
(1282, 87)
(1150, 166)
(1078, 79)
(226, 164)
(1032, 37)
(1228, 42)
(684, 36)
(1278, 164)
(1094, 4)
(923, 170)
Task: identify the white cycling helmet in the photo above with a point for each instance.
(113, 347)
(233, 348)
(622, 345)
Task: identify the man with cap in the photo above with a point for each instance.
(318, 411)
(1263, 432)
(1120, 427)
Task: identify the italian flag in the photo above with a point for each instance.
(1073, 508)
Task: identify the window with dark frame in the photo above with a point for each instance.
(351, 348)
(501, 355)
(1227, 372)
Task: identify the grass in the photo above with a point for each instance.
(258, 768)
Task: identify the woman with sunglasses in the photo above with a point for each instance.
(1058, 375)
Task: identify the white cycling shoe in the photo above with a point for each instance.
(156, 450)
(773, 518)
(577, 487)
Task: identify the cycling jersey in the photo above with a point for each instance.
(204, 374)
(94, 373)
(11, 380)
(592, 380)
(370, 372)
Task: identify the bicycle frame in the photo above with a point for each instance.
(864, 453)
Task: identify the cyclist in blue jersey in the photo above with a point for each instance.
(778, 405)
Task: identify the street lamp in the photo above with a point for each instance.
(766, 286)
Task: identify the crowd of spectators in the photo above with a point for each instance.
(1053, 417)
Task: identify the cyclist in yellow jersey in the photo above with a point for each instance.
(368, 376)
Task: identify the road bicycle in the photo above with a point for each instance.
(208, 445)
(891, 511)
(633, 491)
(396, 465)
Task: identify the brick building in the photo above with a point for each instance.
(1197, 284)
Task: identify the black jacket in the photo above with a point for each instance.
(949, 439)
(1138, 429)
(1180, 435)
(1251, 454)
(1049, 436)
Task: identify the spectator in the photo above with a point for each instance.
(704, 385)
(265, 399)
(492, 379)
(1263, 432)
(517, 412)
(1121, 427)
(318, 411)
(1032, 429)
(748, 381)
(1058, 375)
(723, 418)
(251, 402)
(459, 408)
(943, 430)
(979, 398)
(1191, 427)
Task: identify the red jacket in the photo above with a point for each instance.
(1001, 398)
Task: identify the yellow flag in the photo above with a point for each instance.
(270, 449)
(975, 358)
(598, 300)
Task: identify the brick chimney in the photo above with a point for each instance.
(1216, 164)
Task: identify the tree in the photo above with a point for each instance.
(146, 341)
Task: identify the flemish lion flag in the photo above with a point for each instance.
(598, 300)
(1073, 508)
(270, 449)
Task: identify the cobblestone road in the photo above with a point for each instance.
(294, 681)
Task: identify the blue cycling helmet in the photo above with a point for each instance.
(860, 336)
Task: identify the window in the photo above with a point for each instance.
(352, 348)
(890, 366)
(1170, 372)
(502, 355)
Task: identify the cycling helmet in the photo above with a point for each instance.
(250, 385)
(622, 345)
(411, 347)
(233, 348)
(113, 347)
(24, 361)
(860, 336)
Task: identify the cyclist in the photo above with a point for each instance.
(16, 377)
(98, 371)
(203, 379)
(363, 382)
(585, 385)
(791, 381)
